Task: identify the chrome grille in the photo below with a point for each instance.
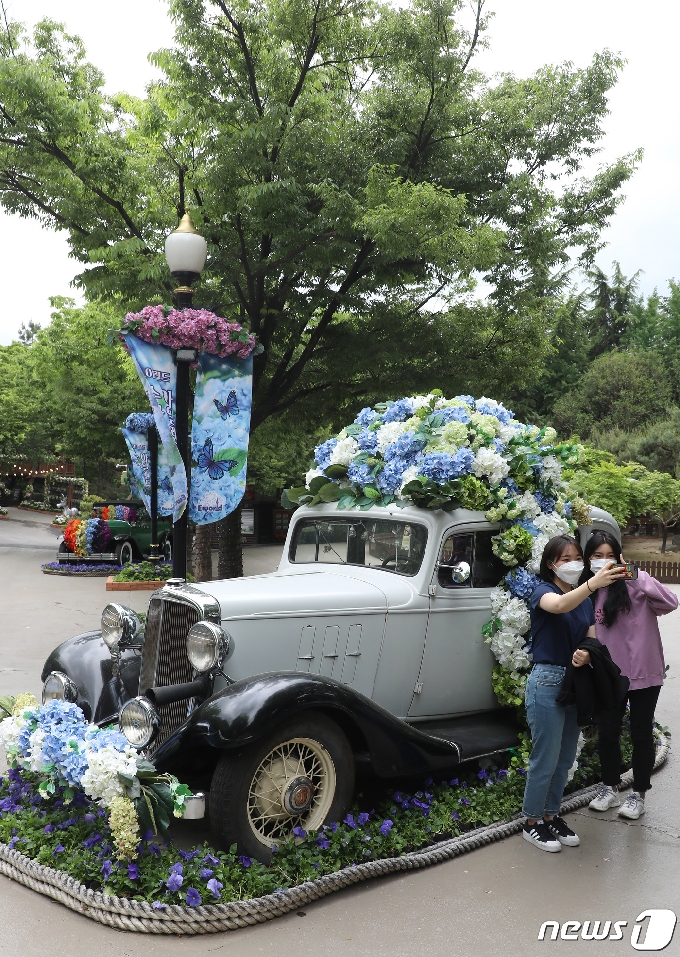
(164, 658)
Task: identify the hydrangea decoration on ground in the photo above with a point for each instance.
(191, 329)
(85, 569)
(106, 848)
(434, 452)
(68, 755)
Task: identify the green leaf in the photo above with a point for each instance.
(294, 494)
(7, 704)
(318, 482)
(371, 492)
(330, 492)
(336, 471)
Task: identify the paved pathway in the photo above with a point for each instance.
(490, 903)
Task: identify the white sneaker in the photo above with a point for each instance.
(633, 807)
(605, 798)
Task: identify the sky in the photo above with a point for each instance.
(524, 35)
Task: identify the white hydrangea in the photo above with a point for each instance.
(451, 404)
(530, 507)
(534, 562)
(344, 451)
(10, 729)
(551, 469)
(312, 474)
(550, 436)
(507, 432)
(514, 616)
(388, 433)
(420, 401)
(509, 650)
(100, 780)
(489, 463)
(489, 424)
(35, 761)
(499, 596)
(552, 524)
(407, 476)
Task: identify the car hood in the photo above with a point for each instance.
(298, 594)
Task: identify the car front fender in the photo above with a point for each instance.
(246, 711)
(87, 662)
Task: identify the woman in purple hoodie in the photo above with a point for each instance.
(626, 622)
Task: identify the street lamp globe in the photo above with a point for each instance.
(185, 252)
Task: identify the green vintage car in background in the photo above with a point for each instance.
(130, 535)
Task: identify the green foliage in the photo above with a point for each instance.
(513, 546)
(611, 315)
(611, 487)
(508, 686)
(146, 572)
(337, 211)
(622, 390)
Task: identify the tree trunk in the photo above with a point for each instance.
(203, 554)
(664, 533)
(230, 564)
(191, 532)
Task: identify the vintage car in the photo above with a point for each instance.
(363, 650)
(130, 538)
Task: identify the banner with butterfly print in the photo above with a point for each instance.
(140, 472)
(158, 373)
(219, 437)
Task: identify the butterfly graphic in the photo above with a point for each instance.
(228, 408)
(207, 463)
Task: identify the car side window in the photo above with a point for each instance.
(456, 549)
(473, 548)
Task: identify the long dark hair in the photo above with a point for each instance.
(617, 598)
(554, 550)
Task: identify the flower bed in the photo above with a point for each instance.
(75, 816)
(86, 570)
(42, 507)
(4, 513)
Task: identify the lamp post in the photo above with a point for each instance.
(185, 253)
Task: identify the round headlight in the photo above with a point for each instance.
(118, 623)
(58, 687)
(207, 646)
(138, 721)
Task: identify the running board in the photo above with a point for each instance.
(475, 735)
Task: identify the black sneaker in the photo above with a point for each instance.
(564, 834)
(540, 835)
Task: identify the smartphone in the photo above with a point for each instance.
(631, 570)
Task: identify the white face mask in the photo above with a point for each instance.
(597, 564)
(570, 572)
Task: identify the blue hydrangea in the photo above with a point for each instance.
(521, 583)
(529, 526)
(366, 417)
(139, 422)
(499, 446)
(406, 447)
(361, 474)
(468, 399)
(367, 440)
(510, 485)
(567, 509)
(490, 407)
(545, 502)
(323, 452)
(399, 411)
(455, 414)
(97, 740)
(441, 467)
(391, 477)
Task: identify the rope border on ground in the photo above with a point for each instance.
(124, 914)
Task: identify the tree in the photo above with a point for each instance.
(661, 494)
(624, 390)
(613, 303)
(613, 488)
(349, 168)
(28, 332)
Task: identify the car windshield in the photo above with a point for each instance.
(395, 546)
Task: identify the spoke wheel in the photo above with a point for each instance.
(296, 776)
(299, 776)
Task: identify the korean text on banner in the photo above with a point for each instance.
(219, 437)
(158, 373)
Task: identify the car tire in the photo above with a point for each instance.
(125, 554)
(306, 750)
(63, 549)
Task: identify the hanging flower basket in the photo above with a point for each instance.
(191, 329)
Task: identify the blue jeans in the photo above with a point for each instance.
(554, 736)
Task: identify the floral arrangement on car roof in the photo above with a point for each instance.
(434, 452)
(55, 741)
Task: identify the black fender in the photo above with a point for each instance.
(251, 708)
(87, 662)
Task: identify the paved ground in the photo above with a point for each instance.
(474, 905)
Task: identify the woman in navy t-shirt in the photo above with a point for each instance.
(560, 619)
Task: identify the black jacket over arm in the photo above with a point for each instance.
(594, 689)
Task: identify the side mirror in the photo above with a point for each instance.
(460, 572)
